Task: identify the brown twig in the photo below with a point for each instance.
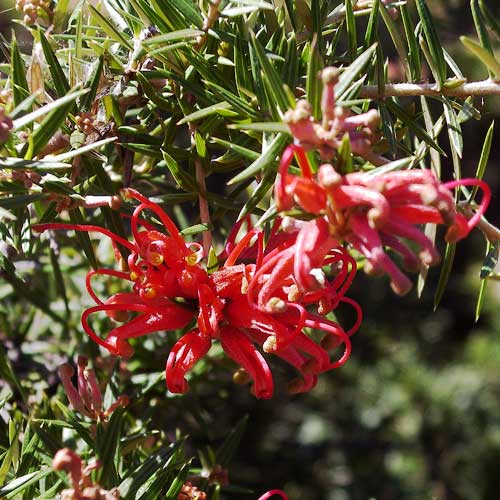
(485, 87)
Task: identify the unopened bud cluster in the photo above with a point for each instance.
(86, 397)
(326, 137)
(85, 122)
(191, 492)
(33, 9)
(5, 125)
(82, 486)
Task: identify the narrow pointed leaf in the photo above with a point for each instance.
(92, 84)
(490, 18)
(107, 443)
(352, 41)
(313, 81)
(59, 79)
(371, 28)
(444, 276)
(408, 120)
(241, 150)
(272, 77)
(397, 39)
(264, 161)
(490, 261)
(434, 44)
(277, 127)
(20, 87)
(203, 113)
(51, 107)
(173, 35)
(481, 29)
(15, 488)
(76, 217)
(183, 178)
(483, 55)
(110, 30)
(351, 73)
(483, 159)
(84, 149)
(415, 61)
(454, 129)
(227, 449)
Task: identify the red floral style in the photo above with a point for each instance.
(243, 305)
(272, 493)
(375, 212)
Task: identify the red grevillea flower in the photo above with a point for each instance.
(242, 305)
(249, 305)
(375, 212)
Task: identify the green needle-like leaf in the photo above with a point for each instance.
(271, 76)
(433, 43)
(264, 161)
(59, 79)
(481, 29)
(445, 274)
(483, 55)
(347, 78)
(20, 88)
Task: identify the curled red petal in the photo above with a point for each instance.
(312, 245)
(169, 317)
(359, 315)
(188, 350)
(241, 315)
(239, 348)
(271, 493)
(279, 266)
(337, 331)
(354, 196)
(166, 317)
(293, 357)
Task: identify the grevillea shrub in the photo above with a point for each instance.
(188, 191)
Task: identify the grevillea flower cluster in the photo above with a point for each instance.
(375, 211)
(326, 136)
(379, 212)
(260, 299)
(255, 302)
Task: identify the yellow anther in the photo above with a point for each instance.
(155, 258)
(133, 276)
(276, 305)
(191, 259)
(150, 293)
(270, 344)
